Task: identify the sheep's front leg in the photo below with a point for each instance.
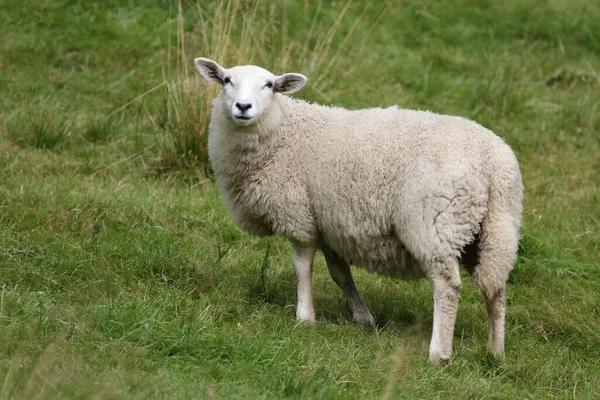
(341, 274)
(446, 284)
(303, 261)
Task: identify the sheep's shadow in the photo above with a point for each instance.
(402, 308)
(391, 312)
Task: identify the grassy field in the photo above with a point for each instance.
(123, 276)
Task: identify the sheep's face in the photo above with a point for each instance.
(248, 90)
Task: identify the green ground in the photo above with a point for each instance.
(124, 277)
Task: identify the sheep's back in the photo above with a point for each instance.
(389, 187)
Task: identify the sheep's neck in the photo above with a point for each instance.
(237, 152)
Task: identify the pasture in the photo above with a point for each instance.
(123, 276)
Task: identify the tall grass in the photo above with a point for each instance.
(233, 32)
(39, 129)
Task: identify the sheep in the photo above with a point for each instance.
(406, 194)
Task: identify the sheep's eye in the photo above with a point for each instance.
(226, 81)
(269, 85)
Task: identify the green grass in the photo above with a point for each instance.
(123, 276)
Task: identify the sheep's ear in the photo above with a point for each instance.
(210, 70)
(290, 83)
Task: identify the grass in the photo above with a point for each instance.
(41, 129)
(122, 276)
(239, 33)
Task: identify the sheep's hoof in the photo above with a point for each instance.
(496, 349)
(305, 318)
(306, 322)
(436, 359)
(364, 317)
(442, 362)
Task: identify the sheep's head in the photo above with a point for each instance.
(248, 90)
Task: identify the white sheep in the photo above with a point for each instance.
(403, 193)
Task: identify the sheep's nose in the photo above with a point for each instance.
(243, 106)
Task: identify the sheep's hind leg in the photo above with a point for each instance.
(303, 262)
(496, 308)
(497, 253)
(495, 299)
(446, 284)
(340, 272)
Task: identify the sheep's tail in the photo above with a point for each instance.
(499, 237)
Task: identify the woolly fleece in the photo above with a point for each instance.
(391, 190)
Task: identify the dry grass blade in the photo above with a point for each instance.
(232, 32)
(40, 381)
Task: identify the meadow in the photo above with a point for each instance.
(122, 275)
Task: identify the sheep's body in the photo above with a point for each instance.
(366, 183)
(402, 193)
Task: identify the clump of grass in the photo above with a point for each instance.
(233, 32)
(44, 130)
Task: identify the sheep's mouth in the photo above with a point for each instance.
(243, 120)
